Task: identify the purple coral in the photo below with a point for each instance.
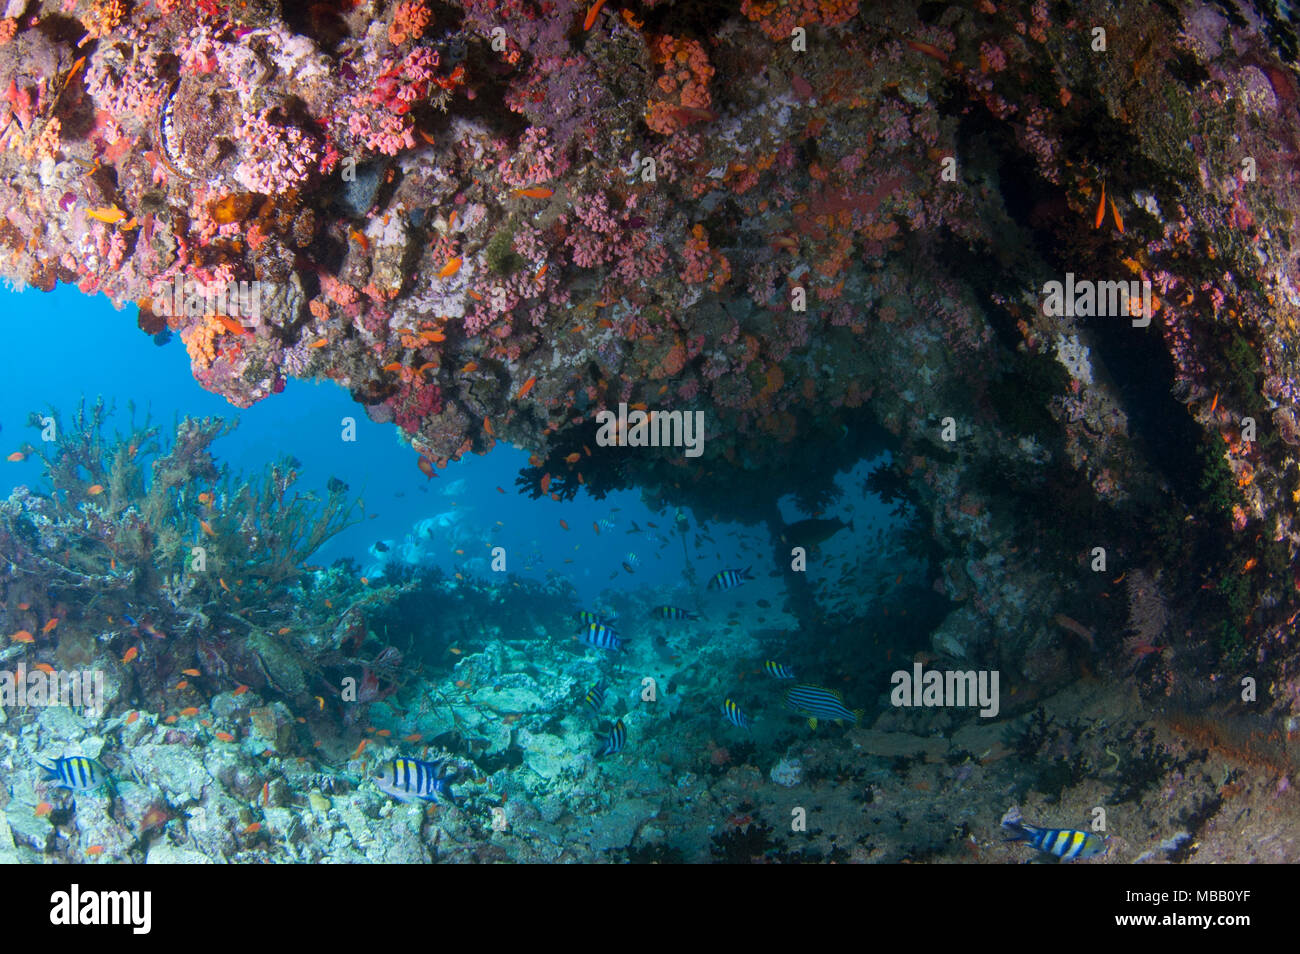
(277, 158)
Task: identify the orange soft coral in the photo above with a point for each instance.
(681, 94)
(408, 22)
(777, 18)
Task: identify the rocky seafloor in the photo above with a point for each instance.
(904, 786)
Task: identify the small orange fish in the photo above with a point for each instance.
(318, 344)
(205, 498)
(110, 214)
(545, 483)
(451, 268)
(392, 366)
(470, 367)
(16, 456)
(487, 426)
(360, 748)
(44, 667)
(434, 336)
(223, 584)
(189, 711)
(282, 631)
(170, 720)
(132, 717)
(95, 490)
(252, 829)
(473, 294)
(225, 736)
(190, 672)
(49, 626)
(461, 683)
(573, 458)
(183, 684)
(528, 386)
(359, 239)
(594, 12)
(1119, 223)
(240, 690)
(454, 650)
(95, 850)
(638, 406)
(596, 527)
(43, 809)
(266, 793)
(500, 491)
(207, 528)
(540, 272)
(564, 525)
(413, 737)
(426, 467)
(460, 552)
(537, 192)
(1101, 208)
(24, 606)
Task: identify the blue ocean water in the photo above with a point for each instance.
(106, 355)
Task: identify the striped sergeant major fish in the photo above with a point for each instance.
(726, 579)
(76, 772)
(672, 612)
(615, 741)
(587, 617)
(817, 702)
(734, 714)
(407, 779)
(1065, 843)
(778, 671)
(602, 637)
(595, 698)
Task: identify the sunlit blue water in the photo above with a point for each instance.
(100, 351)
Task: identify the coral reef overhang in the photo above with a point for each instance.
(829, 227)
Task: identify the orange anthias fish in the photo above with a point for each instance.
(207, 528)
(594, 12)
(109, 214)
(528, 386)
(426, 467)
(22, 636)
(189, 672)
(451, 268)
(49, 625)
(95, 490)
(16, 456)
(545, 483)
(130, 654)
(537, 192)
(487, 426)
(1101, 208)
(1119, 223)
(564, 525)
(573, 458)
